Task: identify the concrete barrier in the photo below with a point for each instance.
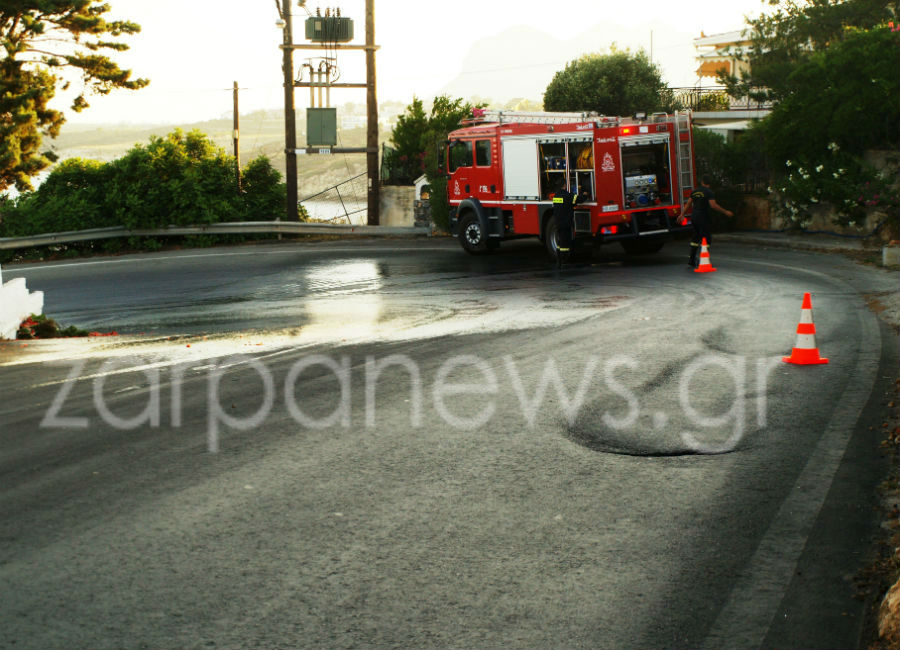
(397, 203)
(890, 256)
(17, 304)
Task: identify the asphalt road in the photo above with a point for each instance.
(393, 444)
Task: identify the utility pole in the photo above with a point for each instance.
(237, 137)
(290, 125)
(372, 130)
(316, 82)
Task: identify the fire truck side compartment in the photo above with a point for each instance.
(521, 175)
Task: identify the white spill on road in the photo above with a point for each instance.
(334, 321)
(342, 302)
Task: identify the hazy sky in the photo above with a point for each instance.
(192, 50)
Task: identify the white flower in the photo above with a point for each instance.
(814, 199)
(820, 168)
(788, 163)
(841, 170)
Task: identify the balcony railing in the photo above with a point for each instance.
(716, 99)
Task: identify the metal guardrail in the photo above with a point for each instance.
(326, 196)
(230, 228)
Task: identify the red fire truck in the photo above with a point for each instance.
(504, 167)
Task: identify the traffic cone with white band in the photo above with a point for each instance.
(704, 266)
(805, 352)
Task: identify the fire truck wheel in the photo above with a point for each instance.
(642, 246)
(550, 238)
(471, 235)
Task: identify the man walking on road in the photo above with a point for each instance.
(702, 199)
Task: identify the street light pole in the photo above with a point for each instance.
(237, 136)
(290, 124)
(372, 109)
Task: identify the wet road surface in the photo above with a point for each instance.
(393, 444)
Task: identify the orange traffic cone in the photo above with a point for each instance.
(805, 352)
(704, 266)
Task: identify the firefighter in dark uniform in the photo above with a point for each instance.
(702, 199)
(564, 203)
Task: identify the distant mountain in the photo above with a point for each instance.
(262, 133)
(517, 62)
(521, 61)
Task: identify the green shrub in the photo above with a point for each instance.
(263, 192)
(180, 179)
(845, 182)
(38, 326)
(111, 246)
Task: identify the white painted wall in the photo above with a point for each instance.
(17, 304)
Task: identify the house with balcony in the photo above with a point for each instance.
(713, 108)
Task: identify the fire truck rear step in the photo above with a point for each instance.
(495, 226)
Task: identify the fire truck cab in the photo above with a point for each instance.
(634, 175)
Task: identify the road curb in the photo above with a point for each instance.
(797, 243)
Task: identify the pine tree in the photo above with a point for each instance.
(42, 40)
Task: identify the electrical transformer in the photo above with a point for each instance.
(329, 29)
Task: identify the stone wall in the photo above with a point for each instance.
(759, 213)
(756, 213)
